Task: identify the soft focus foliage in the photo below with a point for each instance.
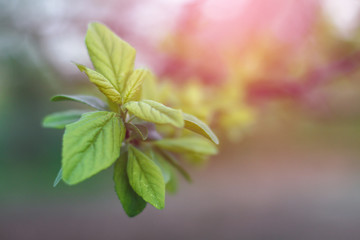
(126, 131)
(223, 106)
(281, 76)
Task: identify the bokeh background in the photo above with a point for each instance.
(278, 81)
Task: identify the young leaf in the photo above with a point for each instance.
(133, 85)
(113, 107)
(152, 133)
(155, 112)
(58, 178)
(105, 86)
(88, 100)
(138, 130)
(111, 56)
(91, 145)
(173, 161)
(188, 145)
(61, 119)
(196, 125)
(146, 178)
(195, 158)
(132, 203)
(172, 185)
(164, 166)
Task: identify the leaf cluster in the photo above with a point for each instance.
(223, 106)
(123, 132)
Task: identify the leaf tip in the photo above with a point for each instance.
(81, 67)
(94, 24)
(68, 180)
(215, 140)
(160, 204)
(54, 98)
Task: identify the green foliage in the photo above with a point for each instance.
(105, 85)
(155, 112)
(91, 101)
(196, 125)
(58, 178)
(172, 184)
(123, 131)
(61, 119)
(111, 56)
(132, 203)
(90, 145)
(137, 131)
(146, 178)
(187, 145)
(132, 89)
(174, 162)
(164, 166)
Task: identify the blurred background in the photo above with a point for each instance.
(278, 81)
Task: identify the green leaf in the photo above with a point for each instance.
(164, 166)
(61, 119)
(110, 55)
(146, 178)
(138, 130)
(196, 125)
(133, 86)
(104, 85)
(195, 158)
(155, 112)
(188, 144)
(91, 145)
(88, 100)
(172, 185)
(132, 203)
(113, 107)
(58, 178)
(174, 162)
